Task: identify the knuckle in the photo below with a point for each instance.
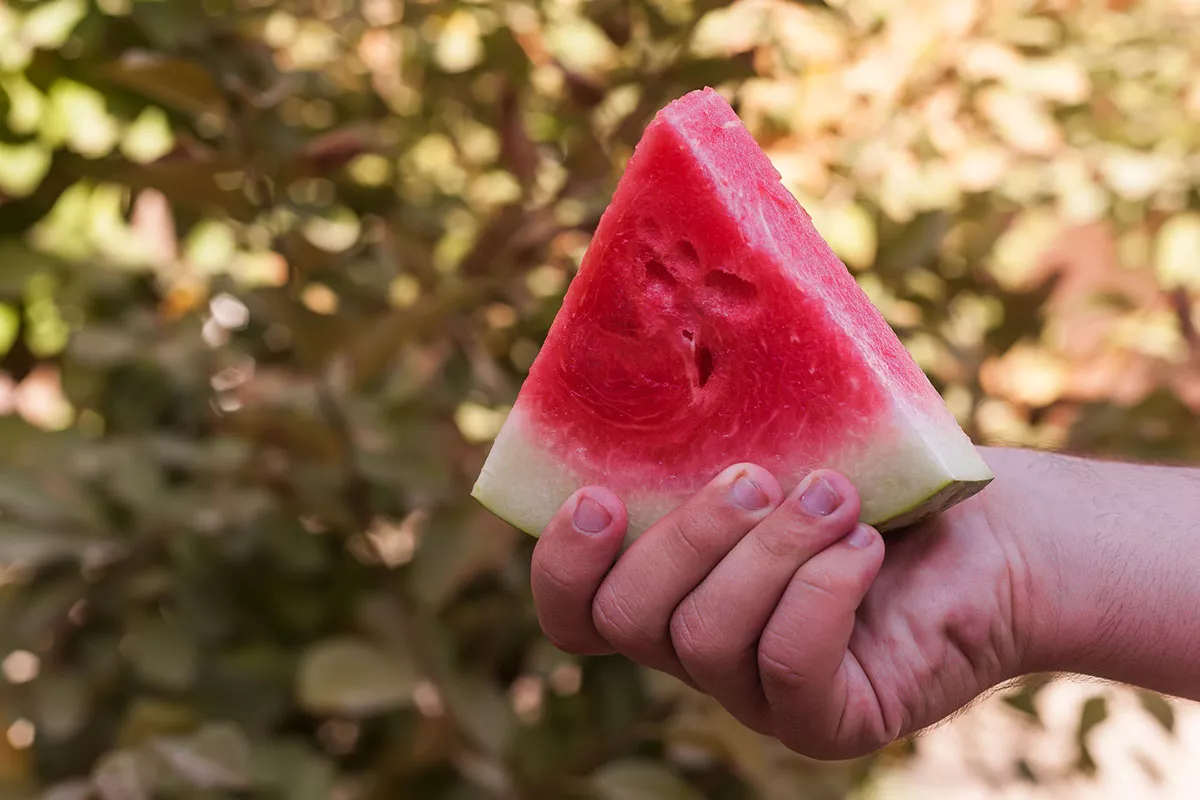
(616, 622)
(552, 583)
(821, 585)
(688, 536)
(779, 542)
(693, 638)
(796, 531)
(776, 661)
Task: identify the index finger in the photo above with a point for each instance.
(570, 561)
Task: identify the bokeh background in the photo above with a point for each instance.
(271, 274)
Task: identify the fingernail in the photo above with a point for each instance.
(591, 517)
(862, 537)
(747, 494)
(820, 499)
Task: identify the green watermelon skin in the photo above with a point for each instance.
(710, 324)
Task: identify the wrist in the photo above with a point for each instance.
(1016, 507)
(1108, 565)
(1037, 513)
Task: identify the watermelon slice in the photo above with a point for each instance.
(711, 324)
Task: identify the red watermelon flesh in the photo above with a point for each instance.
(711, 324)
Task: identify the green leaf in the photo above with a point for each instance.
(480, 706)
(641, 779)
(474, 698)
(135, 480)
(148, 718)
(27, 546)
(1086, 762)
(103, 346)
(27, 612)
(177, 24)
(61, 703)
(701, 723)
(457, 549)
(163, 653)
(10, 326)
(299, 771)
(701, 72)
(174, 82)
(1023, 699)
(1094, 712)
(352, 677)
(30, 499)
(1022, 702)
(21, 263)
(195, 184)
(217, 757)
(1160, 708)
(49, 24)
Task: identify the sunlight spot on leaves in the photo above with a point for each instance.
(148, 137)
(22, 167)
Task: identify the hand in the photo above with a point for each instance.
(785, 609)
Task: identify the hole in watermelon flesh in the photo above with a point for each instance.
(730, 286)
(659, 274)
(689, 335)
(687, 251)
(704, 364)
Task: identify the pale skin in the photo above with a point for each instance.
(810, 627)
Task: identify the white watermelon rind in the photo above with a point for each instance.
(524, 484)
(948, 496)
(945, 497)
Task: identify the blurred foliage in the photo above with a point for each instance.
(272, 274)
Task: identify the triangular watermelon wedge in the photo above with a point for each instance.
(711, 324)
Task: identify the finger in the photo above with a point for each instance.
(570, 560)
(634, 605)
(715, 630)
(806, 670)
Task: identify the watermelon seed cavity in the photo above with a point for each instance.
(730, 286)
(658, 273)
(704, 364)
(687, 251)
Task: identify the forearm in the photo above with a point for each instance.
(1112, 555)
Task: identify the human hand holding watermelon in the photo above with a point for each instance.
(786, 610)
